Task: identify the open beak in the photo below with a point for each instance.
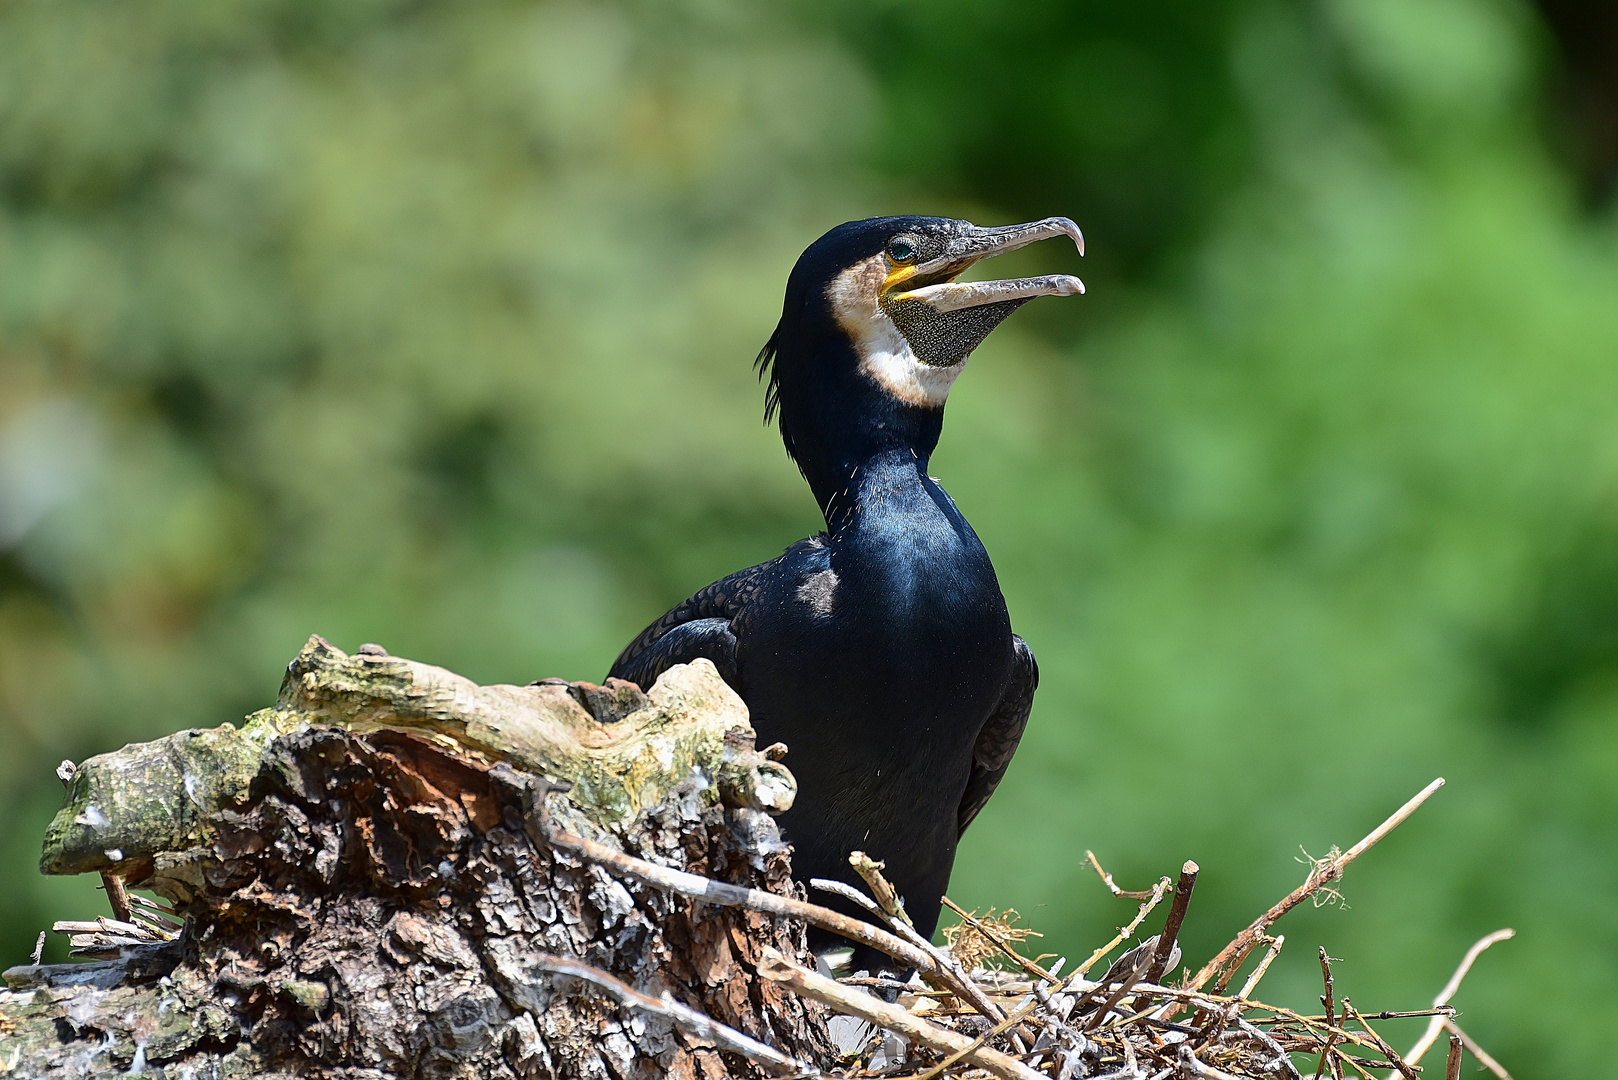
(933, 283)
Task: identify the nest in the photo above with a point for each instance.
(979, 1006)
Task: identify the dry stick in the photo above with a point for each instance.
(1124, 933)
(117, 895)
(1263, 965)
(952, 971)
(1382, 1044)
(951, 976)
(1452, 1067)
(717, 892)
(1152, 899)
(1112, 886)
(1171, 930)
(1477, 1051)
(1135, 975)
(1026, 964)
(1323, 874)
(1283, 1060)
(685, 1017)
(1223, 982)
(1209, 1001)
(1436, 1025)
(1326, 1000)
(998, 1029)
(871, 872)
(1325, 1050)
(1337, 1059)
(1190, 1063)
(777, 968)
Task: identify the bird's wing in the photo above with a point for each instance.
(681, 644)
(703, 625)
(1001, 733)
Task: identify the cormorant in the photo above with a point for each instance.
(880, 650)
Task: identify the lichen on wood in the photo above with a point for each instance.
(366, 895)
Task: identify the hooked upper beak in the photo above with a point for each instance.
(933, 282)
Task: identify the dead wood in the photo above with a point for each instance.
(363, 894)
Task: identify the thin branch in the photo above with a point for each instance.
(1136, 973)
(998, 1029)
(1112, 886)
(777, 968)
(1326, 1000)
(1263, 965)
(683, 1016)
(1152, 899)
(1169, 938)
(1436, 1025)
(950, 974)
(1477, 1051)
(1387, 1051)
(1189, 1063)
(117, 895)
(994, 939)
(887, 898)
(717, 892)
(1321, 875)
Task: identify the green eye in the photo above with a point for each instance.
(901, 251)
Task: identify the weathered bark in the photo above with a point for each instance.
(366, 892)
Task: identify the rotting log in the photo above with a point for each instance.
(366, 895)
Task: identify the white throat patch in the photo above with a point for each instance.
(885, 355)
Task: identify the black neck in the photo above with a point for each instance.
(836, 421)
(877, 479)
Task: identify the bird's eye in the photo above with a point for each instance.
(902, 251)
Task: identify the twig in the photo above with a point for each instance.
(1112, 886)
(777, 968)
(117, 895)
(1326, 1000)
(1135, 974)
(1283, 1060)
(1452, 1068)
(1152, 899)
(687, 1018)
(1170, 936)
(950, 974)
(1436, 1025)
(1381, 1044)
(998, 1029)
(847, 892)
(994, 939)
(1320, 875)
(1332, 1031)
(717, 892)
(870, 871)
(1477, 1051)
(1263, 965)
(1190, 1064)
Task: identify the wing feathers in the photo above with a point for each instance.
(997, 742)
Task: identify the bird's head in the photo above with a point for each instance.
(876, 328)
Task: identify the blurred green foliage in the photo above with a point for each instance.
(429, 324)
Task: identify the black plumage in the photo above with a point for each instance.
(879, 651)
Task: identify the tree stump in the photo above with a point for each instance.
(367, 892)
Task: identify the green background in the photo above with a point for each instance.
(430, 324)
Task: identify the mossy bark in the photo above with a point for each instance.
(366, 893)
